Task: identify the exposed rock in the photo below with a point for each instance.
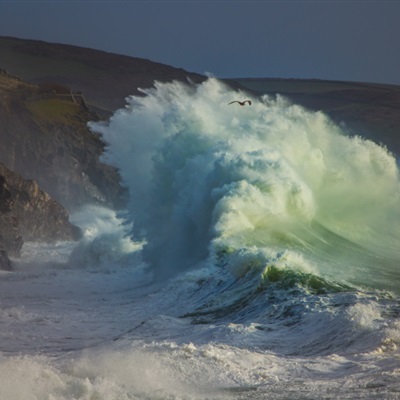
(10, 238)
(27, 213)
(46, 101)
(44, 114)
(44, 136)
(5, 263)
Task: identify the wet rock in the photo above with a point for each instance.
(5, 263)
(27, 213)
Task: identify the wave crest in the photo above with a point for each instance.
(205, 174)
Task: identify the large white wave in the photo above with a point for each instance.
(269, 196)
(207, 178)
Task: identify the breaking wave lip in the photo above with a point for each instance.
(208, 178)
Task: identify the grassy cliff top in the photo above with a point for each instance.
(106, 79)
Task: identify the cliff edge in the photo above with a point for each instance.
(27, 213)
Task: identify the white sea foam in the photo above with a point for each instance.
(205, 176)
(278, 235)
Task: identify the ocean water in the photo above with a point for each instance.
(258, 258)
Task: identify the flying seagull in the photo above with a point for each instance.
(242, 103)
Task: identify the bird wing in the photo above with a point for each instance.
(233, 102)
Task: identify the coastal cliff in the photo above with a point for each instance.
(27, 213)
(44, 136)
(50, 160)
(105, 79)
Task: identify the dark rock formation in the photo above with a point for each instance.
(43, 131)
(10, 238)
(46, 101)
(5, 263)
(44, 137)
(28, 214)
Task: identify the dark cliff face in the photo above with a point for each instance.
(10, 238)
(44, 136)
(47, 98)
(28, 213)
(43, 130)
(39, 216)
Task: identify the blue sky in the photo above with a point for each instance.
(337, 40)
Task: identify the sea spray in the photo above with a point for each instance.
(106, 241)
(207, 178)
(282, 227)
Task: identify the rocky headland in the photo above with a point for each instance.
(28, 213)
(43, 136)
(50, 162)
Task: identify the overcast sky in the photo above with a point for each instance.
(338, 40)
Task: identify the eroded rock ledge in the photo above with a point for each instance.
(27, 213)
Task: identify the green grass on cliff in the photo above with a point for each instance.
(50, 111)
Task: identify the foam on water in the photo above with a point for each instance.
(273, 236)
(189, 371)
(108, 333)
